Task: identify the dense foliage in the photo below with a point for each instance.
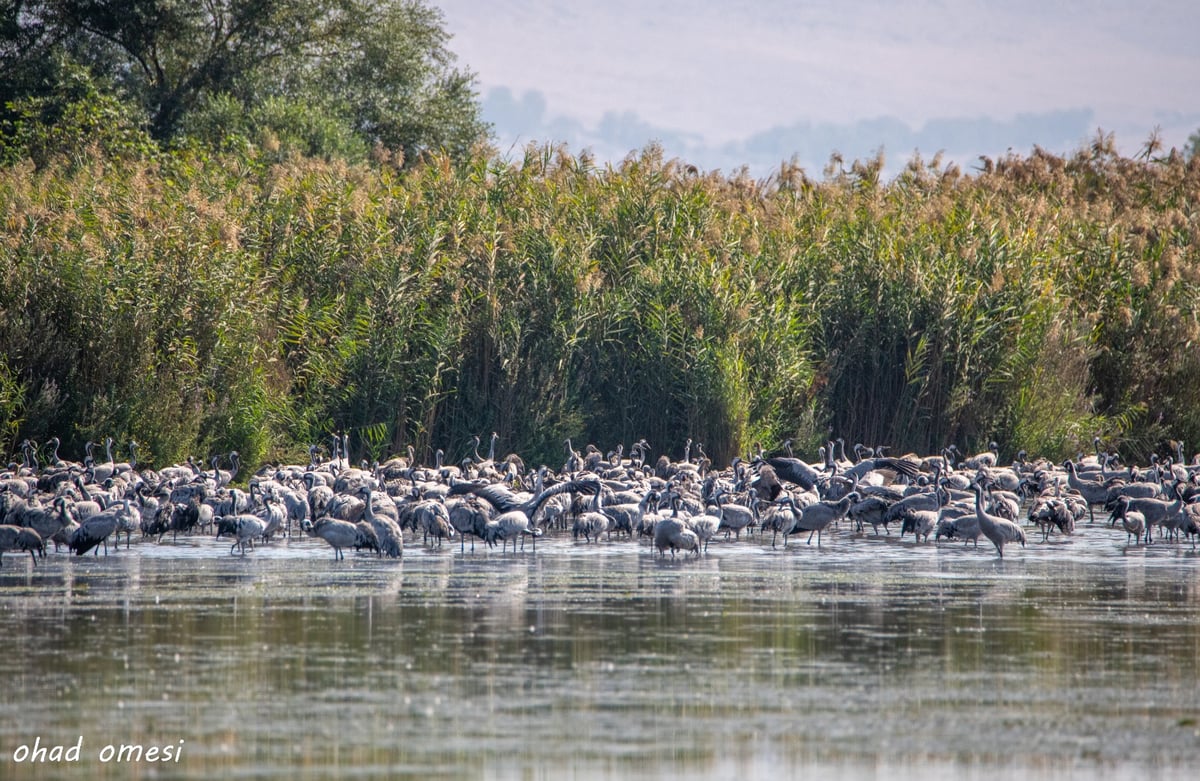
(322, 77)
(204, 302)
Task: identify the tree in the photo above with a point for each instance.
(72, 117)
(381, 67)
(1192, 149)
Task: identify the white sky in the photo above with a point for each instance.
(717, 73)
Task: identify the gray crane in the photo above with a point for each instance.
(964, 526)
(593, 522)
(817, 516)
(21, 538)
(468, 515)
(998, 530)
(1093, 491)
(1133, 521)
(872, 510)
(391, 539)
(95, 531)
(794, 471)
(432, 518)
(673, 534)
(243, 528)
(734, 517)
(1158, 511)
(339, 534)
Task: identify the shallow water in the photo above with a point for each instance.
(865, 658)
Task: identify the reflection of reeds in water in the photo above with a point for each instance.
(1039, 299)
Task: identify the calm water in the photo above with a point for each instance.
(867, 658)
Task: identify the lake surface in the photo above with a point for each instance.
(866, 658)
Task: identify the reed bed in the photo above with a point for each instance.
(201, 302)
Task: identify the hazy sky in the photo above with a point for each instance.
(726, 84)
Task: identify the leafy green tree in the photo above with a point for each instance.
(72, 117)
(381, 68)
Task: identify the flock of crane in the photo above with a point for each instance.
(680, 506)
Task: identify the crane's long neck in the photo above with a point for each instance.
(985, 522)
(1176, 492)
(492, 447)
